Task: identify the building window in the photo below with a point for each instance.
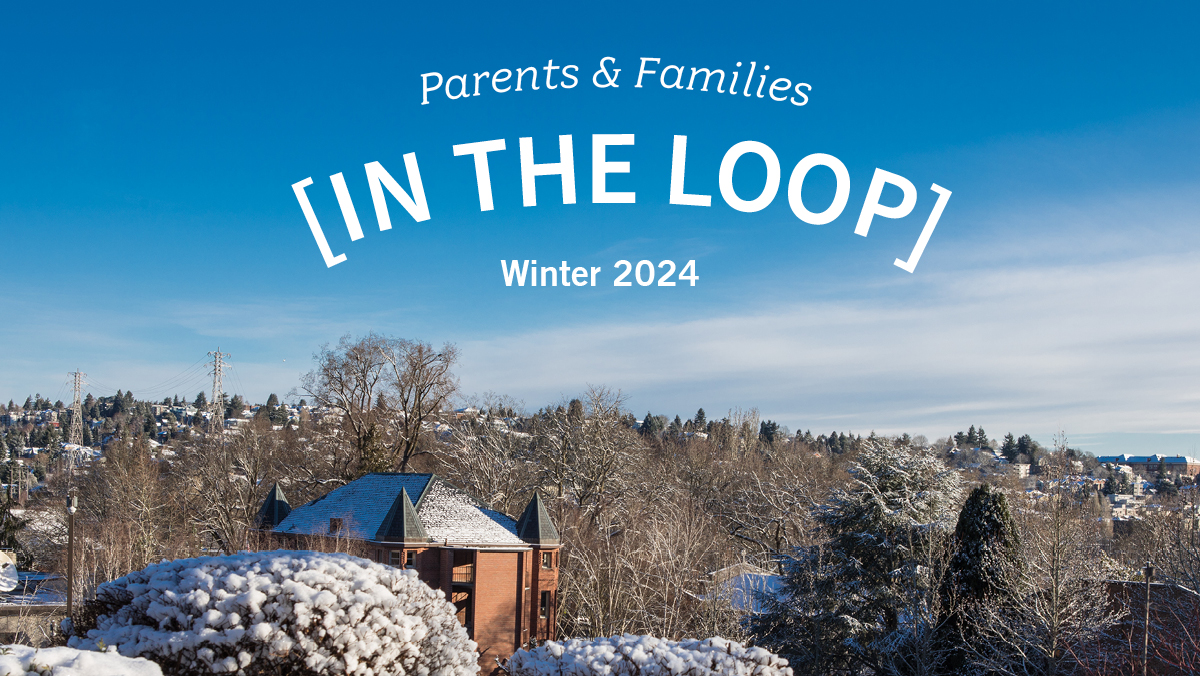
(544, 606)
(410, 559)
(335, 525)
(394, 557)
(547, 559)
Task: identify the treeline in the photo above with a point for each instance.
(668, 524)
(121, 414)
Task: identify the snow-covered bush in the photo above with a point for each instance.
(631, 655)
(303, 613)
(21, 660)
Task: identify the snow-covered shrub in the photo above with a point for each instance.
(21, 660)
(303, 613)
(631, 655)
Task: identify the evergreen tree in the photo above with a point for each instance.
(1110, 486)
(700, 421)
(676, 426)
(845, 606)
(984, 568)
(575, 410)
(768, 430)
(1009, 448)
(201, 401)
(987, 545)
(981, 437)
(119, 404)
(1165, 486)
(651, 426)
(1025, 445)
(235, 407)
(272, 400)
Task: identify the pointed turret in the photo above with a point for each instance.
(535, 526)
(402, 523)
(274, 509)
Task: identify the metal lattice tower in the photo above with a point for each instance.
(218, 393)
(76, 435)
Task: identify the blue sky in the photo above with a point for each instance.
(147, 157)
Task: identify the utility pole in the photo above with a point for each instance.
(218, 392)
(1149, 571)
(72, 506)
(76, 435)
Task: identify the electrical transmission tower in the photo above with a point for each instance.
(75, 454)
(218, 394)
(76, 436)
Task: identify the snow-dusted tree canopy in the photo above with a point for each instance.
(631, 655)
(303, 613)
(866, 598)
(21, 660)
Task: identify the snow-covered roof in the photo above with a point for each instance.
(447, 514)
(451, 515)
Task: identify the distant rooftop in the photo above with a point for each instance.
(1149, 459)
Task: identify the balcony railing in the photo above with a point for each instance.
(464, 573)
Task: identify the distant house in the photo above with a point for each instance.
(1183, 465)
(500, 573)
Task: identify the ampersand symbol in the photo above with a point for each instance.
(612, 80)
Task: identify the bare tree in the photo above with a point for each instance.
(1062, 608)
(586, 453)
(385, 395)
(420, 386)
(348, 381)
(229, 478)
(492, 461)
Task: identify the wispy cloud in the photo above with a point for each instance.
(1101, 346)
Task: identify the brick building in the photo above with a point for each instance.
(500, 573)
(1184, 465)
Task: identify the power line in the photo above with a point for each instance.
(179, 379)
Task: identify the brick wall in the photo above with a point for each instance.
(495, 603)
(543, 580)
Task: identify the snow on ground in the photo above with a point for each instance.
(301, 612)
(20, 660)
(631, 655)
(34, 588)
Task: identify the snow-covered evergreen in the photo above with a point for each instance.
(987, 553)
(631, 655)
(866, 597)
(280, 612)
(21, 660)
